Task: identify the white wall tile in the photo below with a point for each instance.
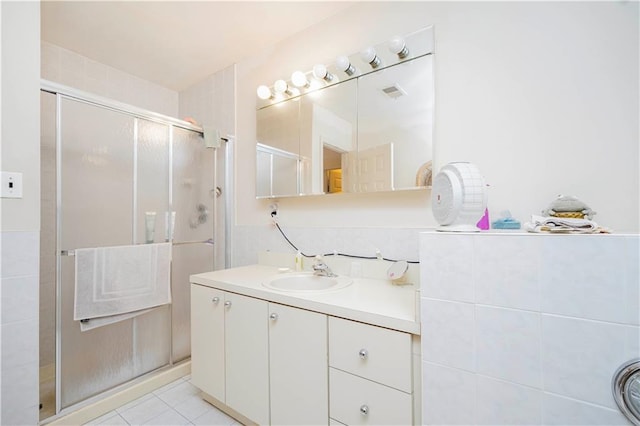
(507, 271)
(20, 344)
(448, 395)
(503, 403)
(448, 267)
(585, 277)
(568, 340)
(49, 62)
(19, 254)
(633, 279)
(557, 410)
(19, 298)
(508, 345)
(71, 69)
(447, 333)
(579, 357)
(19, 394)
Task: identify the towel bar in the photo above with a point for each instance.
(209, 241)
(72, 253)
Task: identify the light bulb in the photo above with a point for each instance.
(320, 72)
(299, 79)
(264, 92)
(343, 64)
(399, 47)
(281, 87)
(369, 56)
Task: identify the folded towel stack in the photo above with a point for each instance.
(563, 225)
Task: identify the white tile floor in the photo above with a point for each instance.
(175, 404)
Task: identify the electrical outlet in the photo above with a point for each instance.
(273, 209)
(11, 185)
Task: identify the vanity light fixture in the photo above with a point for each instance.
(264, 92)
(281, 87)
(321, 73)
(299, 79)
(369, 56)
(343, 64)
(399, 47)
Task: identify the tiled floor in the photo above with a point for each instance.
(177, 403)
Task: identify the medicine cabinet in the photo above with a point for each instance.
(368, 131)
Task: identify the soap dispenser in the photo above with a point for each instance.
(299, 261)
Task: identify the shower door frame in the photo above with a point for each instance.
(65, 92)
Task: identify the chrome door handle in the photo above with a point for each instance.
(363, 353)
(273, 316)
(215, 300)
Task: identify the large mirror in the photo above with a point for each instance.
(366, 132)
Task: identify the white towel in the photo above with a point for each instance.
(211, 137)
(112, 281)
(112, 319)
(561, 225)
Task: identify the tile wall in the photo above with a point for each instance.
(526, 328)
(397, 244)
(19, 327)
(211, 102)
(71, 69)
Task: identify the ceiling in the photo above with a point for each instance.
(176, 43)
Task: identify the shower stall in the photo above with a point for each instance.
(105, 166)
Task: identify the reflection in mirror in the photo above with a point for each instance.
(277, 150)
(395, 110)
(328, 131)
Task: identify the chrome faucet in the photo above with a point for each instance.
(321, 269)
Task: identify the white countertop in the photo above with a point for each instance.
(372, 301)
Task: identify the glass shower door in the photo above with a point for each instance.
(109, 174)
(193, 252)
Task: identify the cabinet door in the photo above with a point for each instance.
(207, 340)
(247, 356)
(299, 366)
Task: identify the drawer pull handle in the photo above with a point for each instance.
(273, 316)
(215, 300)
(227, 303)
(363, 353)
(364, 410)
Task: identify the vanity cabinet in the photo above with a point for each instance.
(207, 340)
(298, 366)
(246, 347)
(266, 361)
(225, 363)
(370, 374)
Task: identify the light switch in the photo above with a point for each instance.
(11, 185)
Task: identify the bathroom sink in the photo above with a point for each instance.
(306, 282)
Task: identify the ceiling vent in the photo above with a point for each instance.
(394, 91)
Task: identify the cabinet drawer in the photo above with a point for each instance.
(357, 401)
(375, 353)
